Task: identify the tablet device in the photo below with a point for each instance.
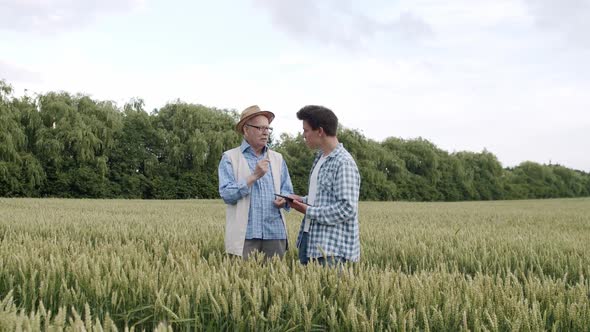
(289, 199)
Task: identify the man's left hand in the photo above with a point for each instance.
(279, 202)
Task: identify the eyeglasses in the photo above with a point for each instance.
(260, 128)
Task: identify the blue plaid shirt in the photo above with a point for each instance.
(264, 219)
(334, 227)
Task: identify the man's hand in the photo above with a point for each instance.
(260, 170)
(297, 205)
(279, 202)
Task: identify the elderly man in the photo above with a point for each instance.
(329, 231)
(249, 177)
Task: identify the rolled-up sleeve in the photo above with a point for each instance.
(230, 190)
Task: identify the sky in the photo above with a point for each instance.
(508, 76)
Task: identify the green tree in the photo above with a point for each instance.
(485, 172)
(21, 174)
(373, 162)
(74, 144)
(299, 159)
(194, 138)
(63, 145)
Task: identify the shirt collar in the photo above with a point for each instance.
(245, 146)
(335, 153)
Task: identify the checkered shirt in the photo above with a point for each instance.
(334, 221)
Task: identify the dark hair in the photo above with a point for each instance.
(319, 116)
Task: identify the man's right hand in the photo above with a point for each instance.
(260, 170)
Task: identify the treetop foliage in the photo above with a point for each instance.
(64, 145)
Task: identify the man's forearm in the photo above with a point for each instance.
(336, 213)
(231, 193)
(251, 179)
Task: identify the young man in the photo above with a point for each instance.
(329, 231)
(249, 176)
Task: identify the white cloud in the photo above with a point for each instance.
(338, 22)
(570, 19)
(51, 16)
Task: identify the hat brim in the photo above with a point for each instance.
(269, 115)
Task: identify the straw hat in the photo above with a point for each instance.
(251, 112)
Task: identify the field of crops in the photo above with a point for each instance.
(117, 264)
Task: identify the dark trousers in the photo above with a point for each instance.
(268, 247)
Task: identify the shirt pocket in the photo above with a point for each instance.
(326, 180)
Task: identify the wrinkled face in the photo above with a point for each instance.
(312, 137)
(256, 131)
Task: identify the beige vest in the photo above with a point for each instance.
(236, 217)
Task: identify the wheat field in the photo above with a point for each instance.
(106, 265)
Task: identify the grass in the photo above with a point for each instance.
(116, 264)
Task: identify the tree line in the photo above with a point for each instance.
(64, 145)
